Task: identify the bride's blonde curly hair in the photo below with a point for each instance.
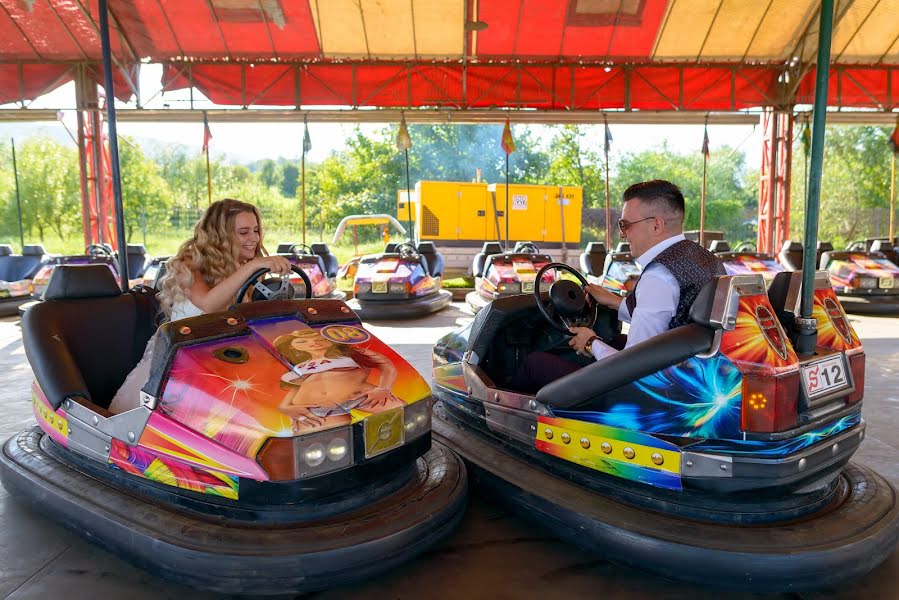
(210, 251)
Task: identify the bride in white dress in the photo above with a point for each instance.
(204, 276)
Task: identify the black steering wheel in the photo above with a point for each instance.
(298, 249)
(746, 246)
(273, 288)
(527, 248)
(570, 303)
(406, 249)
(98, 250)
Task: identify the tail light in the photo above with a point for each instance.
(770, 403)
(857, 366)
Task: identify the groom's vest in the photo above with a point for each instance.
(692, 266)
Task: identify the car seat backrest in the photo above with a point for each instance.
(137, 260)
(84, 304)
(331, 266)
(783, 293)
(390, 248)
(719, 246)
(6, 250)
(284, 248)
(593, 259)
(480, 259)
(623, 247)
(434, 259)
(791, 255)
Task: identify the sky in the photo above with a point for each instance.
(247, 142)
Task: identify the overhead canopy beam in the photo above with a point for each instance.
(462, 117)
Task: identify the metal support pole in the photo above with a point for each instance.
(113, 144)
(15, 172)
(807, 326)
(409, 200)
(772, 183)
(507, 202)
(893, 200)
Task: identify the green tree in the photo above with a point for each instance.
(855, 185)
(146, 196)
(48, 182)
(572, 162)
(731, 200)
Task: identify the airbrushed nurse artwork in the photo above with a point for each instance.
(286, 378)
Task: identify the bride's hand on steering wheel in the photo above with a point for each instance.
(276, 264)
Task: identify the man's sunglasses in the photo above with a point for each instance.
(623, 225)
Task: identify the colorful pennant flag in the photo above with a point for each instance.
(403, 141)
(807, 139)
(307, 141)
(507, 143)
(608, 141)
(207, 134)
(705, 141)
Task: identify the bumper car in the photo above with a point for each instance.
(744, 260)
(865, 281)
(402, 282)
(16, 273)
(499, 274)
(95, 254)
(263, 455)
(710, 453)
(319, 265)
(620, 271)
(154, 272)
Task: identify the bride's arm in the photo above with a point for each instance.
(222, 295)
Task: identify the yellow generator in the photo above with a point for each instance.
(459, 217)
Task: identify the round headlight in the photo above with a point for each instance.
(337, 449)
(314, 454)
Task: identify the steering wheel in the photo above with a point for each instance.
(528, 248)
(98, 250)
(297, 249)
(272, 289)
(856, 246)
(406, 249)
(571, 305)
(746, 246)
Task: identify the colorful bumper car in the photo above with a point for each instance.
(319, 265)
(16, 274)
(709, 453)
(865, 281)
(402, 282)
(95, 254)
(744, 260)
(620, 271)
(277, 447)
(498, 274)
(154, 272)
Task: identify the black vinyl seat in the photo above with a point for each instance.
(783, 293)
(480, 259)
(83, 306)
(390, 248)
(15, 267)
(885, 248)
(823, 248)
(329, 260)
(719, 246)
(137, 260)
(434, 259)
(623, 247)
(593, 259)
(791, 255)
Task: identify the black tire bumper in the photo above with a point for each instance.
(291, 558)
(846, 539)
(401, 309)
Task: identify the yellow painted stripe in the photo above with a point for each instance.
(574, 450)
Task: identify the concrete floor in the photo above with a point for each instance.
(493, 555)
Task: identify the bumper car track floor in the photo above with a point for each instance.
(493, 555)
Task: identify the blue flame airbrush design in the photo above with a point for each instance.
(782, 447)
(697, 398)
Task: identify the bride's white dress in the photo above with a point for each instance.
(128, 395)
